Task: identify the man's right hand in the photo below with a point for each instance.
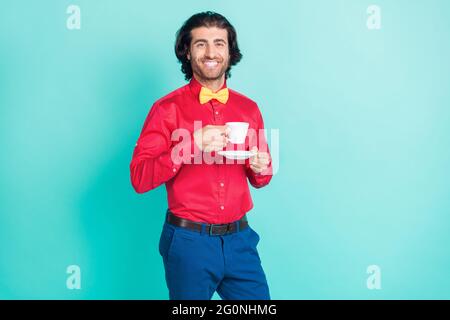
(211, 138)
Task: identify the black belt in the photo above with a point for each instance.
(211, 229)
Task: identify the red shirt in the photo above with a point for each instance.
(203, 192)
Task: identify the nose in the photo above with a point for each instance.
(210, 52)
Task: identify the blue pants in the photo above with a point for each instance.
(198, 264)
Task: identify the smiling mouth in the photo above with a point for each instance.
(211, 64)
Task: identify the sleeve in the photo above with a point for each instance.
(154, 160)
(259, 180)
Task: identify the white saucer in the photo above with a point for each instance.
(236, 154)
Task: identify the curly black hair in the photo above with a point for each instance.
(205, 19)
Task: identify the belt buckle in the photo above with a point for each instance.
(212, 225)
(211, 228)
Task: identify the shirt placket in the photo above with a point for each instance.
(218, 120)
(217, 113)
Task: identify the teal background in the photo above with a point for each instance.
(364, 130)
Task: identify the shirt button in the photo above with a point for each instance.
(222, 207)
(221, 184)
(217, 112)
(174, 169)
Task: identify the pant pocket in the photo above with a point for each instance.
(166, 240)
(249, 243)
(255, 236)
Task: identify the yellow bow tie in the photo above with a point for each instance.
(207, 94)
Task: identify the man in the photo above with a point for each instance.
(206, 243)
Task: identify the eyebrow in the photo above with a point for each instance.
(206, 41)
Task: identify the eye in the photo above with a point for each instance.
(200, 44)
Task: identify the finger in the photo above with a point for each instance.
(256, 169)
(213, 126)
(222, 139)
(213, 148)
(257, 159)
(217, 144)
(254, 150)
(215, 131)
(256, 165)
(260, 164)
(210, 135)
(221, 129)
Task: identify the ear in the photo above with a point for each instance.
(188, 55)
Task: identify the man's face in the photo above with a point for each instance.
(208, 52)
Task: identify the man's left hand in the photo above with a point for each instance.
(260, 161)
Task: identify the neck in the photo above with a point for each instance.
(213, 85)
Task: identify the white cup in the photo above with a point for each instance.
(238, 131)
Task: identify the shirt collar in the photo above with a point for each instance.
(196, 86)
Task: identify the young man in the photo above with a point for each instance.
(206, 242)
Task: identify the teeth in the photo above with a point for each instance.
(211, 63)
